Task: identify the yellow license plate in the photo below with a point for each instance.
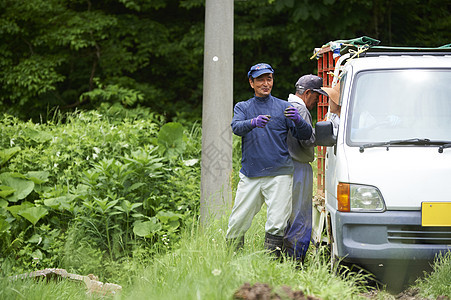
(436, 213)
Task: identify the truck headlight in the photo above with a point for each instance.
(357, 197)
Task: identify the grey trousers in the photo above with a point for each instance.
(251, 194)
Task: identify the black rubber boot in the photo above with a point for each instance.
(237, 243)
(299, 262)
(274, 244)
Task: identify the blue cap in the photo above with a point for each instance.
(259, 69)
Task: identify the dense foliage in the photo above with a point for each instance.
(94, 188)
(77, 54)
(100, 186)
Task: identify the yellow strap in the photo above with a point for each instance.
(360, 49)
(315, 53)
(333, 74)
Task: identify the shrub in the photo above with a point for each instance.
(123, 179)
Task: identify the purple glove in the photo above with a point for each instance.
(260, 121)
(293, 114)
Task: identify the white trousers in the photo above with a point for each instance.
(251, 193)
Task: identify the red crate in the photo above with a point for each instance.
(326, 67)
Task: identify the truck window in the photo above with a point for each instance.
(400, 104)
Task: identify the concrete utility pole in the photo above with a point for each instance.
(216, 193)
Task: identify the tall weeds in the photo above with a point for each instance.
(205, 268)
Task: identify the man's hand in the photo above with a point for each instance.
(260, 121)
(293, 114)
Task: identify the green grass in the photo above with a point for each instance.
(438, 282)
(205, 268)
(32, 289)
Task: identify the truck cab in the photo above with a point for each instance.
(387, 166)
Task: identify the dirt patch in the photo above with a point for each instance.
(408, 294)
(262, 291)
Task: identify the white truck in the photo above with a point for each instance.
(387, 187)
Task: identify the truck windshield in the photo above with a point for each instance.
(399, 105)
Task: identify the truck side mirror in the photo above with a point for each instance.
(324, 132)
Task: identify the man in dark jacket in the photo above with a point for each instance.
(299, 229)
(263, 122)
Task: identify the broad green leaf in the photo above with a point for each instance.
(35, 238)
(147, 228)
(3, 203)
(170, 139)
(54, 202)
(166, 216)
(33, 214)
(6, 154)
(174, 224)
(136, 186)
(22, 186)
(15, 209)
(37, 136)
(14, 174)
(62, 202)
(38, 177)
(6, 191)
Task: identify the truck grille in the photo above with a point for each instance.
(412, 234)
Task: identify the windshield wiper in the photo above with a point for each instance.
(415, 141)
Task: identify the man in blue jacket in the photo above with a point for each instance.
(263, 122)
